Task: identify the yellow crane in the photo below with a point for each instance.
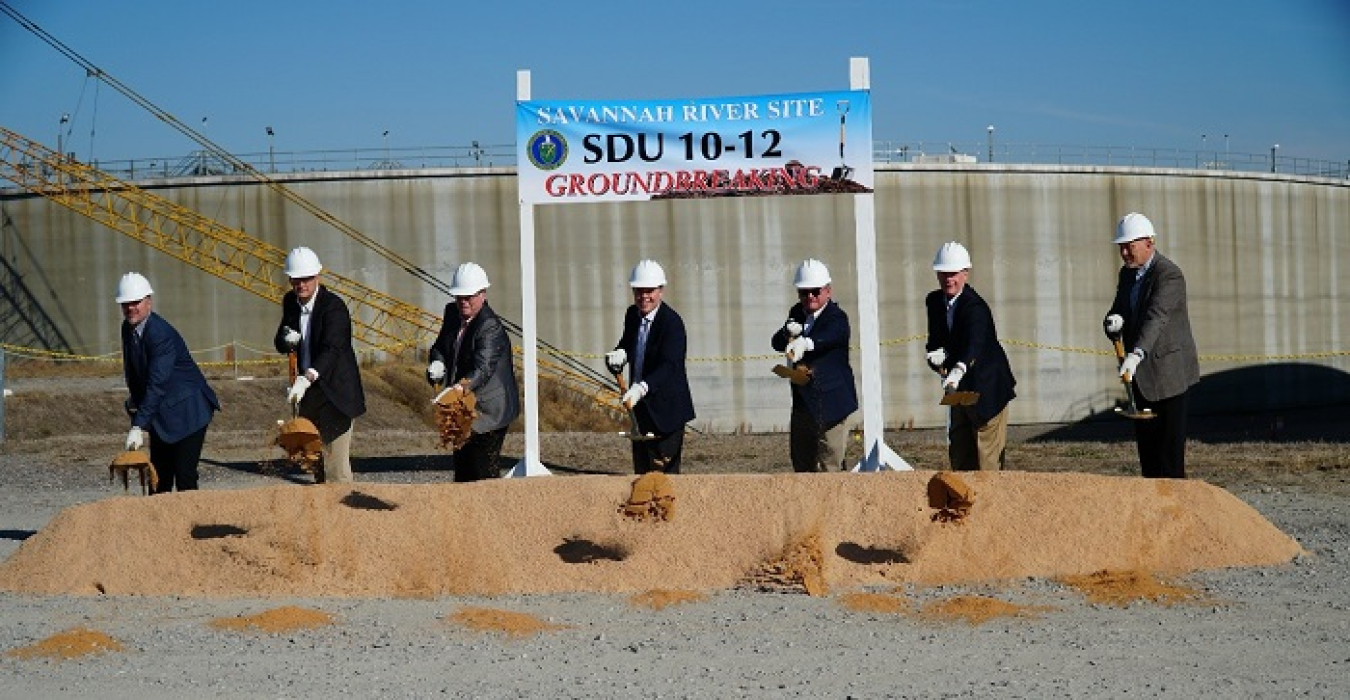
(378, 319)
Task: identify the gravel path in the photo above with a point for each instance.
(1266, 632)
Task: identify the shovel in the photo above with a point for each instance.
(1133, 411)
(298, 435)
(795, 372)
(959, 398)
(633, 433)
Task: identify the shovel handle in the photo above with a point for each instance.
(1120, 357)
(1120, 350)
(292, 365)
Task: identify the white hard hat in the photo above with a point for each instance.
(133, 287)
(811, 274)
(469, 279)
(1132, 227)
(647, 274)
(952, 257)
(302, 262)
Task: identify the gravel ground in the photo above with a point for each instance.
(1263, 632)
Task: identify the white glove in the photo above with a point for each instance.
(793, 328)
(954, 376)
(297, 391)
(798, 348)
(136, 439)
(936, 358)
(290, 337)
(1113, 324)
(634, 394)
(435, 371)
(615, 360)
(1130, 364)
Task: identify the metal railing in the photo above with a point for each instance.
(1119, 156)
(203, 163)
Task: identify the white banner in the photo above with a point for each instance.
(589, 151)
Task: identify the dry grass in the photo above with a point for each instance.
(66, 399)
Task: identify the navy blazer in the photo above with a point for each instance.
(1160, 326)
(830, 396)
(168, 391)
(668, 405)
(973, 339)
(484, 359)
(330, 354)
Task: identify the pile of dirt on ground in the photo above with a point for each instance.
(832, 532)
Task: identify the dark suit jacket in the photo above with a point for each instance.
(339, 389)
(973, 340)
(668, 404)
(484, 359)
(168, 391)
(830, 396)
(1161, 327)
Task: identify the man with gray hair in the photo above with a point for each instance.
(1149, 314)
(170, 405)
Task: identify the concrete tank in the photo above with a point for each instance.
(1264, 255)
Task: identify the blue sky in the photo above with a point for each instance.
(338, 74)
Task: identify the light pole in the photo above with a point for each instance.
(271, 154)
(60, 135)
(990, 130)
(1202, 150)
(386, 147)
(1274, 148)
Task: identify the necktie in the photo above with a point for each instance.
(1135, 289)
(304, 339)
(138, 351)
(641, 349)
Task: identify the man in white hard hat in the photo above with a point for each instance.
(963, 348)
(816, 336)
(170, 405)
(473, 352)
(654, 346)
(316, 324)
(1149, 315)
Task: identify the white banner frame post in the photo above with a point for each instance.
(529, 464)
(877, 456)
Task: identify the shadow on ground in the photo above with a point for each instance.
(1283, 402)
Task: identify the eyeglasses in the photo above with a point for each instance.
(813, 292)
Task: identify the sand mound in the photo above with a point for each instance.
(564, 534)
(70, 644)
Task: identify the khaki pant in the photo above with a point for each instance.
(814, 447)
(337, 466)
(974, 447)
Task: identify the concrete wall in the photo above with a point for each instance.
(1264, 255)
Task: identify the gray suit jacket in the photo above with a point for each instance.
(1160, 326)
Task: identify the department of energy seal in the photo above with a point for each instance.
(547, 149)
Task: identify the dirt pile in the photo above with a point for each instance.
(70, 644)
(832, 532)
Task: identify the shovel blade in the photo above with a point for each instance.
(1141, 414)
(960, 398)
(797, 375)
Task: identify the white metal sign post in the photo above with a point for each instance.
(529, 464)
(876, 454)
(574, 151)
